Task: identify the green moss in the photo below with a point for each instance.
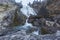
(44, 31)
(19, 19)
(16, 22)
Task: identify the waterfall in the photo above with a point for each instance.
(27, 10)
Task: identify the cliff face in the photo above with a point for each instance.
(9, 16)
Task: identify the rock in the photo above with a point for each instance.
(19, 19)
(43, 12)
(6, 17)
(7, 2)
(45, 26)
(10, 17)
(21, 35)
(48, 15)
(52, 7)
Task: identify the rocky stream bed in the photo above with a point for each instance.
(38, 20)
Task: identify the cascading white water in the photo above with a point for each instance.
(27, 10)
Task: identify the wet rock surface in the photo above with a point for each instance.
(9, 16)
(47, 24)
(47, 18)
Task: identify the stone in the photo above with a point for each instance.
(48, 15)
(6, 18)
(10, 16)
(45, 26)
(21, 35)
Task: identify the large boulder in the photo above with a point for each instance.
(46, 26)
(6, 16)
(9, 16)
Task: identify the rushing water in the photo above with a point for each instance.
(27, 10)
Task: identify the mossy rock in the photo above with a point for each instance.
(15, 23)
(46, 31)
(19, 19)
